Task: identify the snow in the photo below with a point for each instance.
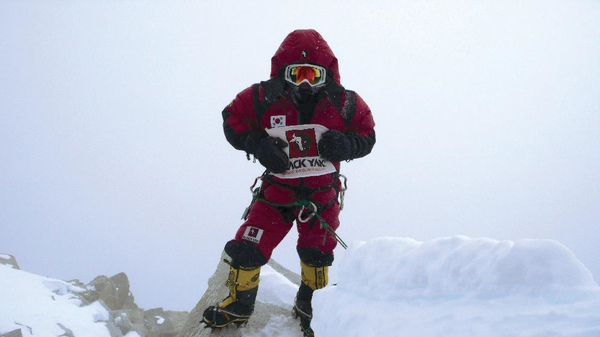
(280, 326)
(4, 256)
(159, 320)
(459, 287)
(451, 287)
(459, 266)
(39, 306)
(276, 289)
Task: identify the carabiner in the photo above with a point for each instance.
(312, 213)
(255, 190)
(345, 183)
(343, 190)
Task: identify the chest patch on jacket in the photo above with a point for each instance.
(278, 121)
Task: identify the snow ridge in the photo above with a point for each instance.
(460, 266)
(459, 287)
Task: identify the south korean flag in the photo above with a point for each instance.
(277, 121)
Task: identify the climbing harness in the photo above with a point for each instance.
(308, 209)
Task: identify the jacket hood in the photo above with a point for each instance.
(305, 46)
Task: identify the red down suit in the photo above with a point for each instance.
(253, 110)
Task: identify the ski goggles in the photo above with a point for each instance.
(305, 73)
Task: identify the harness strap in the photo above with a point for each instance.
(304, 193)
(259, 108)
(304, 202)
(302, 188)
(322, 222)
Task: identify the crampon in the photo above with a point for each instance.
(216, 317)
(305, 319)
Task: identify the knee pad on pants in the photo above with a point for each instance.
(314, 257)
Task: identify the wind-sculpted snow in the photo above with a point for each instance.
(460, 266)
(459, 286)
(41, 306)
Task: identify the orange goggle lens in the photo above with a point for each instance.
(301, 73)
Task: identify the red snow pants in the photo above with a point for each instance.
(268, 224)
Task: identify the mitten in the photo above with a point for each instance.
(251, 140)
(270, 154)
(335, 146)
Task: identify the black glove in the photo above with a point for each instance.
(335, 146)
(251, 140)
(270, 154)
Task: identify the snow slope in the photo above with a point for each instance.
(451, 287)
(46, 307)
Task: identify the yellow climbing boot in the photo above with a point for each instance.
(239, 305)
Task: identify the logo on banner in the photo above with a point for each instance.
(303, 143)
(277, 121)
(302, 150)
(253, 234)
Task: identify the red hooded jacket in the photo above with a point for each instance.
(335, 108)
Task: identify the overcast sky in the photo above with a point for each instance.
(112, 156)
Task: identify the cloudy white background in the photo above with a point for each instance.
(112, 156)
